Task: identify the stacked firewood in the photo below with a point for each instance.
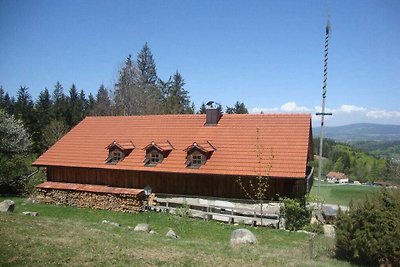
(104, 201)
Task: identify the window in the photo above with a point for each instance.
(197, 159)
(154, 157)
(116, 156)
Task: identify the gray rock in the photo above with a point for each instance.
(111, 223)
(171, 234)
(242, 236)
(152, 232)
(7, 206)
(142, 227)
(31, 213)
(329, 231)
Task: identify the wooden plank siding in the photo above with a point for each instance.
(174, 183)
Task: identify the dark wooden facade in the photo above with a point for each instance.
(223, 186)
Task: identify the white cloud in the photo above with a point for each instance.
(351, 109)
(378, 114)
(344, 114)
(293, 107)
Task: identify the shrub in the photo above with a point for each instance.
(370, 233)
(295, 213)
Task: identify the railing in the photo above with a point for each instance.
(219, 212)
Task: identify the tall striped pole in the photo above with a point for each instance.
(323, 113)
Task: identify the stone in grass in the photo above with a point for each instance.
(152, 232)
(242, 236)
(171, 234)
(30, 213)
(142, 227)
(111, 223)
(7, 206)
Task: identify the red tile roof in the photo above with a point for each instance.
(286, 136)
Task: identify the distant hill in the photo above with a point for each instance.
(361, 132)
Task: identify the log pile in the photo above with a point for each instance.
(105, 201)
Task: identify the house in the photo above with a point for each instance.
(337, 177)
(195, 155)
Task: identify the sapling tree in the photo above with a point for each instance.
(258, 187)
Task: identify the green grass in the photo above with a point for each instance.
(342, 194)
(75, 237)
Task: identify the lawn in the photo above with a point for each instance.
(341, 194)
(74, 237)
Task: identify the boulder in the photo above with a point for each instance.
(171, 234)
(142, 227)
(31, 213)
(242, 236)
(7, 205)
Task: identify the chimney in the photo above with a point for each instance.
(213, 113)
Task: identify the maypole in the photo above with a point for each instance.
(323, 113)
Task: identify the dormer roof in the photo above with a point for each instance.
(162, 147)
(122, 145)
(205, 147)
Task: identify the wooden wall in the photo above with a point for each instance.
(174, 183)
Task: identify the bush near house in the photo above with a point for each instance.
(370, 232)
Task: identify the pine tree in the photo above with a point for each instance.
(83, 105)
(6, 102)
(176, 97)
(147, 66)
(91, 104)
(103, 102)
(239, 108)
(202, 109)
(73, 114)
(24, 109)
(44, 110)
(60, 104)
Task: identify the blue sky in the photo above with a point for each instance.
(268, 54)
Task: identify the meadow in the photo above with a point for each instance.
(75, 236)
(342, 194)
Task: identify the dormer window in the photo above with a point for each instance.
(116, 156)
(156, 153)
(117, 151)
(197, 159)
(198, 154)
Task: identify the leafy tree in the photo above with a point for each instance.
(126, 93)
(102, 106)
(53, 132)
(239, 108)
(339, 166)
(15, 146)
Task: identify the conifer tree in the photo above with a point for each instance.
(176, 97)
(44, 110)
(60, 104)
(103, 102)
(24, 109)
(239, 108)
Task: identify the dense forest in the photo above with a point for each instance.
(30, 126)
(354, 162)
